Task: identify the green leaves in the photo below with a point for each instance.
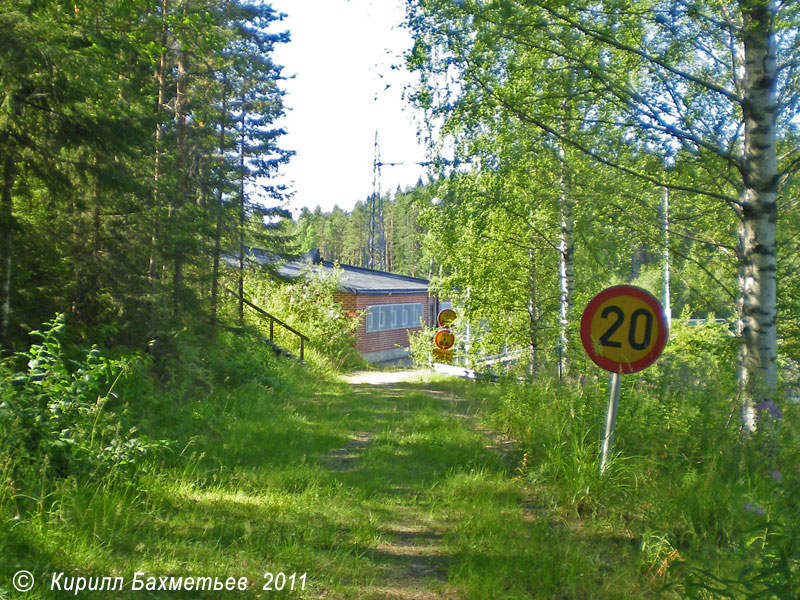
(111, 178)
(309, 304)
(53, 412)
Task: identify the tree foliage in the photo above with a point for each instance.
(138, 142)
(696, 97)
(342, 236)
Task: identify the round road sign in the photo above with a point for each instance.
(623, 329)
(444, 339)
(446, 317)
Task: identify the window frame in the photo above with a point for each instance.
(392, 317)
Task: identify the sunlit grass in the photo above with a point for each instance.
(436, 486)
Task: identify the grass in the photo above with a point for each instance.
(432, 489)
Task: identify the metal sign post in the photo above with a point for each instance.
(611, 419)
(623, 330)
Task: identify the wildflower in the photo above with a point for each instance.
(753, 508)
(769, 405)
(776, 475)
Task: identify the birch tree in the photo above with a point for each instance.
(702, 83)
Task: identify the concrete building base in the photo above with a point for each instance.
(386, 355)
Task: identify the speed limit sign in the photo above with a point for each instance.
(623, 329)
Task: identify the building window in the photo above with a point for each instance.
(393, 316)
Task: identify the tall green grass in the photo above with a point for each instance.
(713, 513)
(440, 488)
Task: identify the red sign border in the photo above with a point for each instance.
(586, 334)
(436, 339)
(439, 316)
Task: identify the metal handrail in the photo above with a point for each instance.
(272, 321)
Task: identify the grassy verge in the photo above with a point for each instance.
(688, 507)
(372, 492)
(434, 489)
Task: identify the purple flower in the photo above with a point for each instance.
(769, 405)
(776, 475)
(753, 508)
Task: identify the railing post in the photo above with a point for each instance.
(272, 323)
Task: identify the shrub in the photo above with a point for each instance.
(421, 345)
(56, 411)
(308, 304)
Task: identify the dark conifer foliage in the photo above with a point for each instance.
(342, 236)
(137, 143)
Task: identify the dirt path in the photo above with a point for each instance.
(412, 553)
(385, 377)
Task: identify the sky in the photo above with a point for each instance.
(344, 89)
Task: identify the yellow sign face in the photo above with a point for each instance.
(442, 355)
(623, 329)
(444, 339)
(446, 317)
(612, 339)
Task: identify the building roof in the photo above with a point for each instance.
(354, 280)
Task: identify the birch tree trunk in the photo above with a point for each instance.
(566, 268)
(566, 244)
(758, 213)
(666, 301)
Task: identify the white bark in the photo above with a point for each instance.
(758, 214)
(665, 296)
(566, 268)
(566, 244)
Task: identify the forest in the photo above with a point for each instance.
(138, 145)
(147, 425)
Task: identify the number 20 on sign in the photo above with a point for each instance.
(623, 330)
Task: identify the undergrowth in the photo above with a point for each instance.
(219, 458)
(714, 512)
(87, 434)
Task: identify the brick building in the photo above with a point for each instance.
(392, 305)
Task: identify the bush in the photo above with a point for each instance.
(56, 412)
(308, 304)
(705, 352)
(421, 345)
